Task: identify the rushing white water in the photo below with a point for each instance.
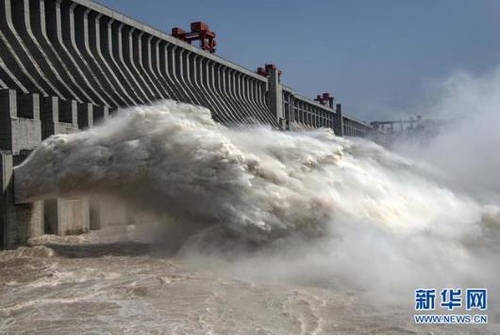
(261, 184)
(173, 158)
(306, 207)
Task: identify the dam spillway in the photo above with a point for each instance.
(66, 64)
(79, 50)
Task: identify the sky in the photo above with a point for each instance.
(380, 59)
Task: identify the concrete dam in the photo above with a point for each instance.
(66, 64)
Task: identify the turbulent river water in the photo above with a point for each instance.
(256, 231)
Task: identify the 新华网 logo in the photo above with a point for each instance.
(449, 299)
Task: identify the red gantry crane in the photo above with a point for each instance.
(200, 31)
(324, 99)
(265, 71)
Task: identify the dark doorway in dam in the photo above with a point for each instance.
(95, 215)
(2, 228)
(50, 216)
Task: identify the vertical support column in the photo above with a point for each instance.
(5, 181)
(339, 121)
(18, 222)
(292, 109)
(275, 97)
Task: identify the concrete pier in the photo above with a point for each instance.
(65, 216)
(18, 222)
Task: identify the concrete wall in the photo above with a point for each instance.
(80, 50)
(302, 112)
